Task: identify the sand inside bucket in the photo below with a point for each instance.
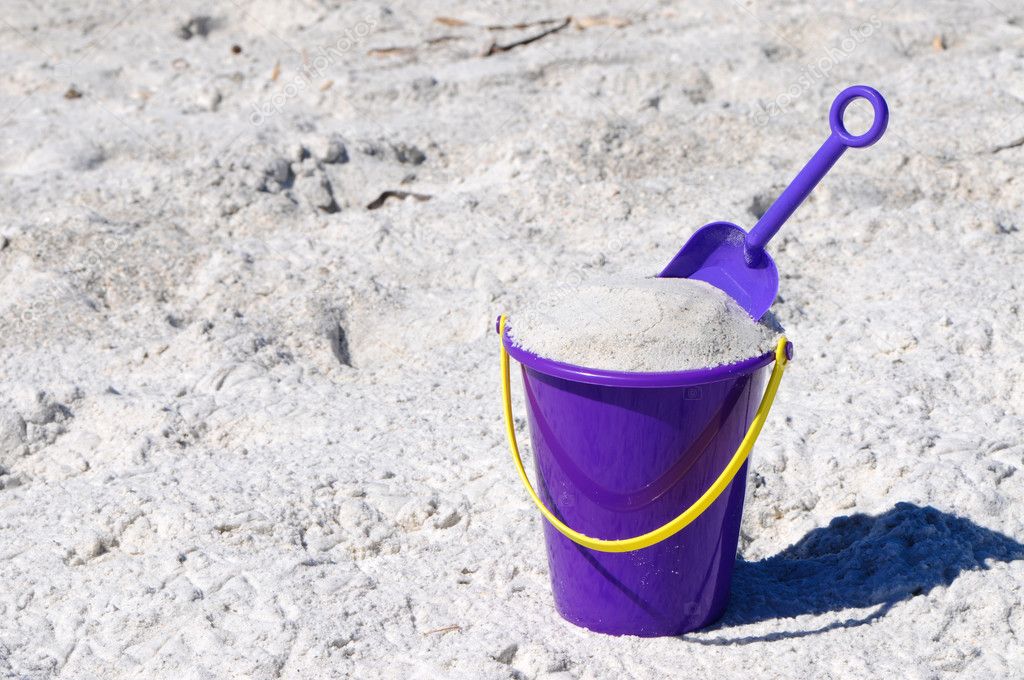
(642, 325)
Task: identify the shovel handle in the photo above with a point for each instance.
(818, 166)
(782, 353)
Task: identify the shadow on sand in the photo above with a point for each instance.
(858, 562)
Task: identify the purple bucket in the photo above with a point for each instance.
(619, 454)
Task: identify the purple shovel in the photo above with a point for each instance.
(729, 258)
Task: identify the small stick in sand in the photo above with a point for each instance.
(1008, 145)
(451, 21)
(521, 25)
(447, 629)
(495, 48)
(390, 51)
(583, 23)
(442, 39)
(456, 22)
(385, 195)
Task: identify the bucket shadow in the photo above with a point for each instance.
(858, 562)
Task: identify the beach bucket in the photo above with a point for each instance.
(641, 479)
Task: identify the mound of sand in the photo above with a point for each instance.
(641, 325)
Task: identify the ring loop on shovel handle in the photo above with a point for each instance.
(878, 125)
(687, 516)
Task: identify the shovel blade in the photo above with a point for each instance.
(714, 254)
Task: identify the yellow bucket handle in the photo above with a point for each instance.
(691, 513)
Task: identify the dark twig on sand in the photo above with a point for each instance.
(385, 195)
(495, 48)
(522, 24)
(1008, 145)
(554, 26)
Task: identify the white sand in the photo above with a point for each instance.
(244, 436)
(640, 324)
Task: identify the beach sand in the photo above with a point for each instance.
(641, 324)
(251, 255)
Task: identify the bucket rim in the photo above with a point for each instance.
(597, 376)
